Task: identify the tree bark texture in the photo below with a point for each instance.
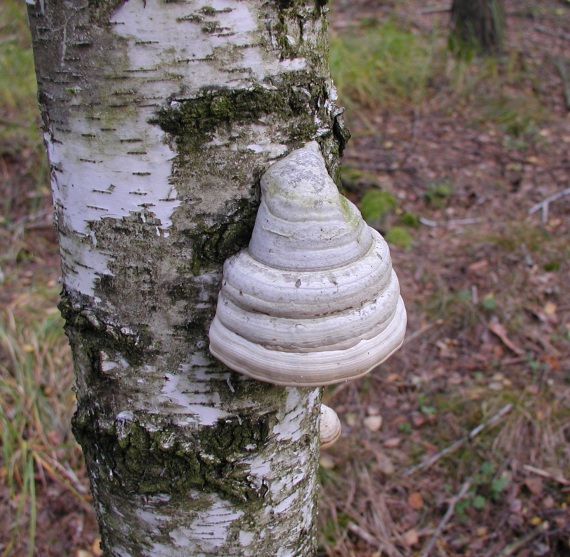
(477, 26)
(160, 116)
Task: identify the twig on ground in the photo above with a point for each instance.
(562, 70)
(552, 32)
(521, 542)
(446, 518)
(454, 446)
(363, 534)
(428, 222)
(545, 474)
(499, 330)
(450, 223)
(424, 329)
(544, 204)
(371, 540)
(463, 222)
(436, 9)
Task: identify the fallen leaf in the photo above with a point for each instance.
(416, 501)
(385, 465)
(418, 420)
(477, 266)
(550, 309)
(373, 423)
(534, 485)
(553, 362)
(392, 442)
(410, 538)
(497, 329)
(326, 462)
(351, 419)
(455, 379)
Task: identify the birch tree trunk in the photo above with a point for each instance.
(160, 116)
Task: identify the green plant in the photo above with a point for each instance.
(517, 115)
(380, 64)
(356, 178)
(438, 193)
(376, 205)
(411, 220)
(486, 487)
(489, 302)
(399, 237)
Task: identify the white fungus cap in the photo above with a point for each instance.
(313, 300)
(330, 428)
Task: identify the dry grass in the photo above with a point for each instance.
(41, 468)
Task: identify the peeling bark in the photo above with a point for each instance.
(159, 118)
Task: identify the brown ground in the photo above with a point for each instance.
(485, 281)
(486, 285)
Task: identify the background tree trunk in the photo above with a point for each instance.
(477, 26)
(159, 119)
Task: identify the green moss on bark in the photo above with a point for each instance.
(300, 31)
(142, 457)
(194, 121)
(213, 245)
(98, 333)
(101, 10)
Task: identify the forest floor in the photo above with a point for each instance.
(460, 444)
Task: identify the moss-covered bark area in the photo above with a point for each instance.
(300, 29)
(150, 456)
(212, 246)
(296, 106)
(194, 121)
(135, 343)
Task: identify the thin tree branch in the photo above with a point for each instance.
(544, 204)
(454, 446)
(562, 70)
(436, 10)
(546, 474)
(553, 33)
(521, 542)
(446, 518)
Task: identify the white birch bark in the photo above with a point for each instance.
(159, 117)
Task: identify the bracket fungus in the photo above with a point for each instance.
(313, 300)
(330, 428)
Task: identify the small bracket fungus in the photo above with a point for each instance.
(314, 300)
(330, 428)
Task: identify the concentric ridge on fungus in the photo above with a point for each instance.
(313, 300)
